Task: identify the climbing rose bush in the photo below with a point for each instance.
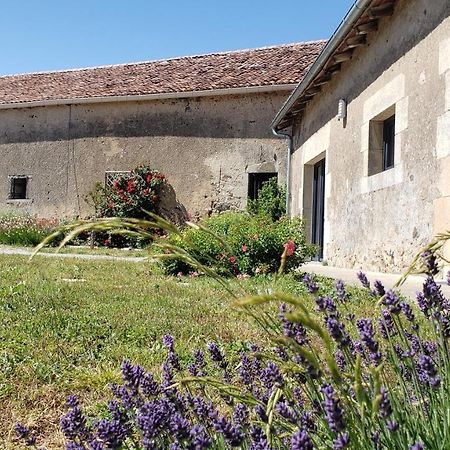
(130, 194)
(329, 381)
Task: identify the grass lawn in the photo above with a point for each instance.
(68, 324)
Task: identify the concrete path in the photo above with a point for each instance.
(412, 285)
(27, 252)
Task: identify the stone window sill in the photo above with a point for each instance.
(382, 180)
(19, 201)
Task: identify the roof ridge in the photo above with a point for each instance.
(106, 66)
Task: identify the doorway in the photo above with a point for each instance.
(318, 207)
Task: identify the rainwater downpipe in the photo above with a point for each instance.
(290, 142)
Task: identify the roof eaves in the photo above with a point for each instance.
(306, 90)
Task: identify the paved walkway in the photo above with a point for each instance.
(409, 288)
(4, 250)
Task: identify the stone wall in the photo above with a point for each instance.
(204, 145)
(379, 221)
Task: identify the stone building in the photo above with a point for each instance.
(204, 121)
(370, 122)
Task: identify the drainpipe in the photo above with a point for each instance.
(290, 142)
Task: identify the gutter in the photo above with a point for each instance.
(290, 139)
(335, 41)
(148, 97)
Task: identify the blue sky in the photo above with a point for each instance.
(39, 35)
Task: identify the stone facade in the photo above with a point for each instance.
(380, 220)
(205, 145)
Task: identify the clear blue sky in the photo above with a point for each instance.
(38, 35)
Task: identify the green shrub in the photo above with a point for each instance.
(271, 200)
(24, 229)
(254, 244)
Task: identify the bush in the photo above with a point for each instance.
(271, 200)
(129, 195)
(254, 244)
(329, 382)
(24, 229)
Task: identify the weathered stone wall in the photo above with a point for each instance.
(380, 221)
(204, 145)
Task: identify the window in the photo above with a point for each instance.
(382, 142)
(255, 182)
(388, 142)
(18, 187)
(112, 175)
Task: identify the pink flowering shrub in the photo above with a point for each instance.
(129, 194)
(255, 244)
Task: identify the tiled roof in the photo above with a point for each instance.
(278, 65)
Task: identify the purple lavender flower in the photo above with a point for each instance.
(340, 360)
(407, 311)
(363, 279)
(386, 324)
(73, 424)
(245, 369)
(259, 439)
(286, 411)
(260, 411)
(379, 288)
(392, 426)
(131, 375)
(292, 330)
(199, 437)
(392, 301)
(240, 415)
(367, 336)
(325, 304)
(271, 376)
(430, 262)
(428, 368)
(341, 441)
(448, 277)
(385, 408)
(179, 426)
(71, 445)
(307, 421)
(310, 284)
(149, 386)
(196, 369)
(25, 434)
(301, 441)
(216, 354)
(341, 294)
(416, 446)
(333, 410)
(232, 434)
(337, 331)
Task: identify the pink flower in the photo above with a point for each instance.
(244, 248)
(130, 186)
(290, 247)
(232, 259)
(107, 242)
(258, 270)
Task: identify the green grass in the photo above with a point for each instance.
(68, 324)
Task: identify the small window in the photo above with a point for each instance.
(382, 142)
(388, 142)
(112, 175)
(255, 182)
(18, 187)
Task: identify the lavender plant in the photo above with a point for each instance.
(328, 381)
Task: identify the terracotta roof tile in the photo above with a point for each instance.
(284, 64)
